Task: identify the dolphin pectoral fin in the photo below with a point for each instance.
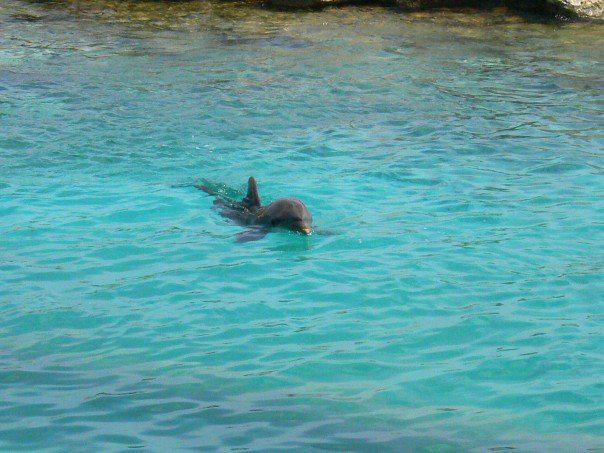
(250, 235)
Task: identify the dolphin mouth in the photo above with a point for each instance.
(306, 230)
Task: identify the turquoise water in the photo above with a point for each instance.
(453, 163)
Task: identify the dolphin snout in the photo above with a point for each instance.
(306, 230)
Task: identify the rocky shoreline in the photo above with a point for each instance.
(557, 10)
(565, 9)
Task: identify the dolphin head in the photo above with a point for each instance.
(288, 213)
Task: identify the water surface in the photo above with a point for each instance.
(456, 159)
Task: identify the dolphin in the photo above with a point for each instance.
(288, 213)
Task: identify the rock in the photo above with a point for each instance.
(589, 9)
(585, 8)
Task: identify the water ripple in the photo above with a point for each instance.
(452, 300)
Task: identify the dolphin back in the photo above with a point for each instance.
(221, 192)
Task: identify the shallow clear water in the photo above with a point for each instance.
(452, 161)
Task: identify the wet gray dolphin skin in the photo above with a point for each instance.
(289, 213)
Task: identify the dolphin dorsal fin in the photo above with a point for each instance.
(252, 200)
